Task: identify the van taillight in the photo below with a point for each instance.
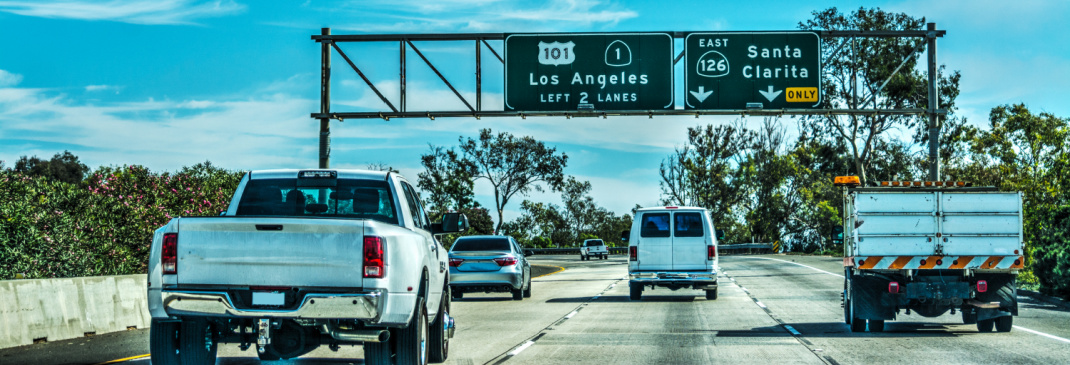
(633, 253)
(711, 252)
(373, 257)
(169, 254)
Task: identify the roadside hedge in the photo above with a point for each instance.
(102, 225)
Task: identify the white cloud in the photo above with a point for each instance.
(9, 79)
(420, 16)
(96, 88)
(151, 12)
(197, 104)
(261, 131)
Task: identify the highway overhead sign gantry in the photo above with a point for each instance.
(752, 70)
(588, 71)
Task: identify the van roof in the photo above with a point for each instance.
(669, 208)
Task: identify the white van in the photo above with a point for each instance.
(672, 247)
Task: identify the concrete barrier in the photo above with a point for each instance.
(59, 309)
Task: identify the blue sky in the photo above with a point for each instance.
(170, 83)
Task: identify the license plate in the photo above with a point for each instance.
(269, 298)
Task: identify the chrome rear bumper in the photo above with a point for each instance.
(366, 306)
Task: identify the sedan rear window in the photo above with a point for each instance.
(481, 244)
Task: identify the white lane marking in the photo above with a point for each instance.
(569, 316)
(1057, 338)
(794, 332)
(796, 263)
(521, 348)
(760, 304)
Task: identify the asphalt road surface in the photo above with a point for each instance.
(771, 309)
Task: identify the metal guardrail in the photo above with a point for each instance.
(737, 249)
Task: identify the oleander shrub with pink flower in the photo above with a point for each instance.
(102, 225)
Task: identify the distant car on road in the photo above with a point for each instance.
(593, 247)
(489, 264)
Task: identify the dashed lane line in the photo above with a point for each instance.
(531, 341)
(794, 333)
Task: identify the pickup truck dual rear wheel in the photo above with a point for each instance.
(711, 294)
(439, 344)
(406, 346)
(198, 342)
(163, 342)
(635, 292)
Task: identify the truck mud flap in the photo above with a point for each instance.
(1002, 289)
(870, 298)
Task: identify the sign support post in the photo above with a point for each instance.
(934, 104)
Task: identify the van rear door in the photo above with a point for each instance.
(654, 247)
(690, 233)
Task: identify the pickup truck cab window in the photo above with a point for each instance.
(350, 198)
(417, 210)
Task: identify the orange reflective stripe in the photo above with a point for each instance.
(1019, 263)
(901, 262)
(962, 262)
(930, 262)
(870, 262)
(991, 262)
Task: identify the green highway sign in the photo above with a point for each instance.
(588, 71)
(755, 70)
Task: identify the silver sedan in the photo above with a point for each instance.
(489, 264)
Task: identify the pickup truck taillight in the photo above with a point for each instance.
(373, 257)
(456, 262)
(633, 253)
(711, 252)
(169, 254)
(505, 261)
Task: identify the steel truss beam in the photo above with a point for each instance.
(405, 41)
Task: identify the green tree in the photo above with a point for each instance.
(579, 206)
(855, 73)
(707, 172)
(513, 165)
(1022, 151)
(448, 179)
(764, 174)
(63, 167)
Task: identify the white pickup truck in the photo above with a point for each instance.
(674, 248)
(304, 258)
(928, 248)
(593, 247)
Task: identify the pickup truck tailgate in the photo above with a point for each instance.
(270, 251)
